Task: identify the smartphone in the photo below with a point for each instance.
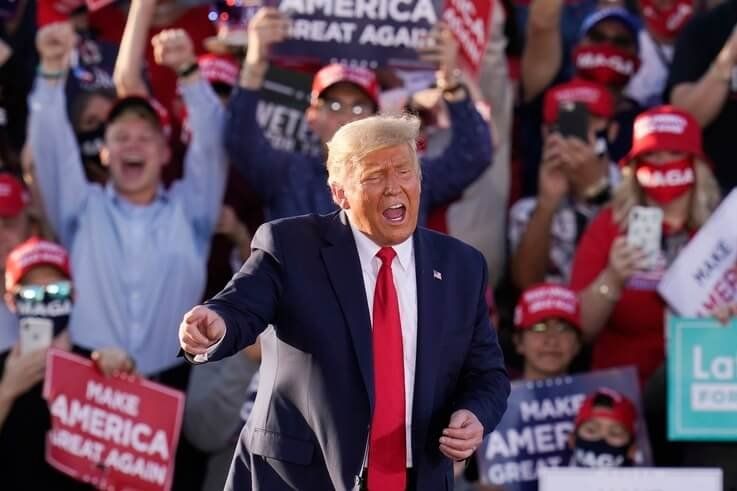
(35, 333)
(644, 231)
(573, 120)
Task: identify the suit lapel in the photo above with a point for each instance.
(429, 334)
(344, 270)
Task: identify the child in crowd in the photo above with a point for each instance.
(604, 434)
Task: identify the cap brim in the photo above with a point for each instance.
(620, 15)
(132, 102)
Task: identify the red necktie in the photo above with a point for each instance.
(387, 463)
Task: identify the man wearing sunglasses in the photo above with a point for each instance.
(38, 291)
(290, 183)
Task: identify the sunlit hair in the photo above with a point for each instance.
(352, 142)
(704, 199)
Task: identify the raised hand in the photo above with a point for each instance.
(55, 43)
(173, 48)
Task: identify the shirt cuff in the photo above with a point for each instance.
(206, 356)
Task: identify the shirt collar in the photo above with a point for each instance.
(161, 195)
(367, 248)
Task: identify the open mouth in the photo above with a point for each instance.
(395, 213)
(133, 166)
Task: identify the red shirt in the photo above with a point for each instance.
(634, 333)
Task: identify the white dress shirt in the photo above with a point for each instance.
(405, 283)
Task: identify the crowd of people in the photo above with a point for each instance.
(134, 170)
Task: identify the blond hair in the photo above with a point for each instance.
(704, 200)
(352, 142)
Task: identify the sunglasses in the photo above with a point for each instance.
(557, 327)
(621, 41)
(60, 290)
(336, 107)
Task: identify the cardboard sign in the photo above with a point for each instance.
(281, 112)
(368, 34)
(704, 275)
(114, 433)
(630, 479)
(533, 434)
(470, 22)
(702, 380)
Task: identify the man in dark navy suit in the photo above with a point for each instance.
(381, 368)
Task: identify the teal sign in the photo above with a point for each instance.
(702, 379)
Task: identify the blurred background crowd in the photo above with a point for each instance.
(136, 163)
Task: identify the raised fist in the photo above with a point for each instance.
(173, 48)
(55, 43)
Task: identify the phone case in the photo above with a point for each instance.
(35, 333)
(644, 231)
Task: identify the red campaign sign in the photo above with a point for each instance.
(116, 433)
(50, 11)
(470, 21)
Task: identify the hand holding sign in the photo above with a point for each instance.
(55, 43)
(113, 361)
(441, 49)
(173, 48)
(268, 26)
(463, 435)
(200, 329)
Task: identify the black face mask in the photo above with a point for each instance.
(34, 303)
(90, 144)
(598, 453)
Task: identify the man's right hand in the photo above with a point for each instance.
(200, 329)
(267, 27)
(55, 43)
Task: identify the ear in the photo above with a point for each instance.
(165, 152)
(105, 155)
(9, 301)
(339, 196)
(311, 115)
(518, 345)
(613, 131)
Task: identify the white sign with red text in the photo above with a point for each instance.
(704, 275)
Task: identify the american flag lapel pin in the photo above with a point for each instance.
(437, 275)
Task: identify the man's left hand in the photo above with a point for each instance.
(463, 435)
(173, 48)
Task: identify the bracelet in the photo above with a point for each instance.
(51, 75)
(607, 292)
(188, 70)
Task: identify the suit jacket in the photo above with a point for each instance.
(310, 423)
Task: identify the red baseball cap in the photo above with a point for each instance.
(608, 403)
(665, 128)
(335, 73)
(598, 99)
(547, 301)
(217, 68)
(33, 253)
(13, 196)
(156, 111)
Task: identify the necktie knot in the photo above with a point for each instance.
(387, 255)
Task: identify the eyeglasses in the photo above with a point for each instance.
(337, 107)
(552, 326)
(60, 290)
(621, 41)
